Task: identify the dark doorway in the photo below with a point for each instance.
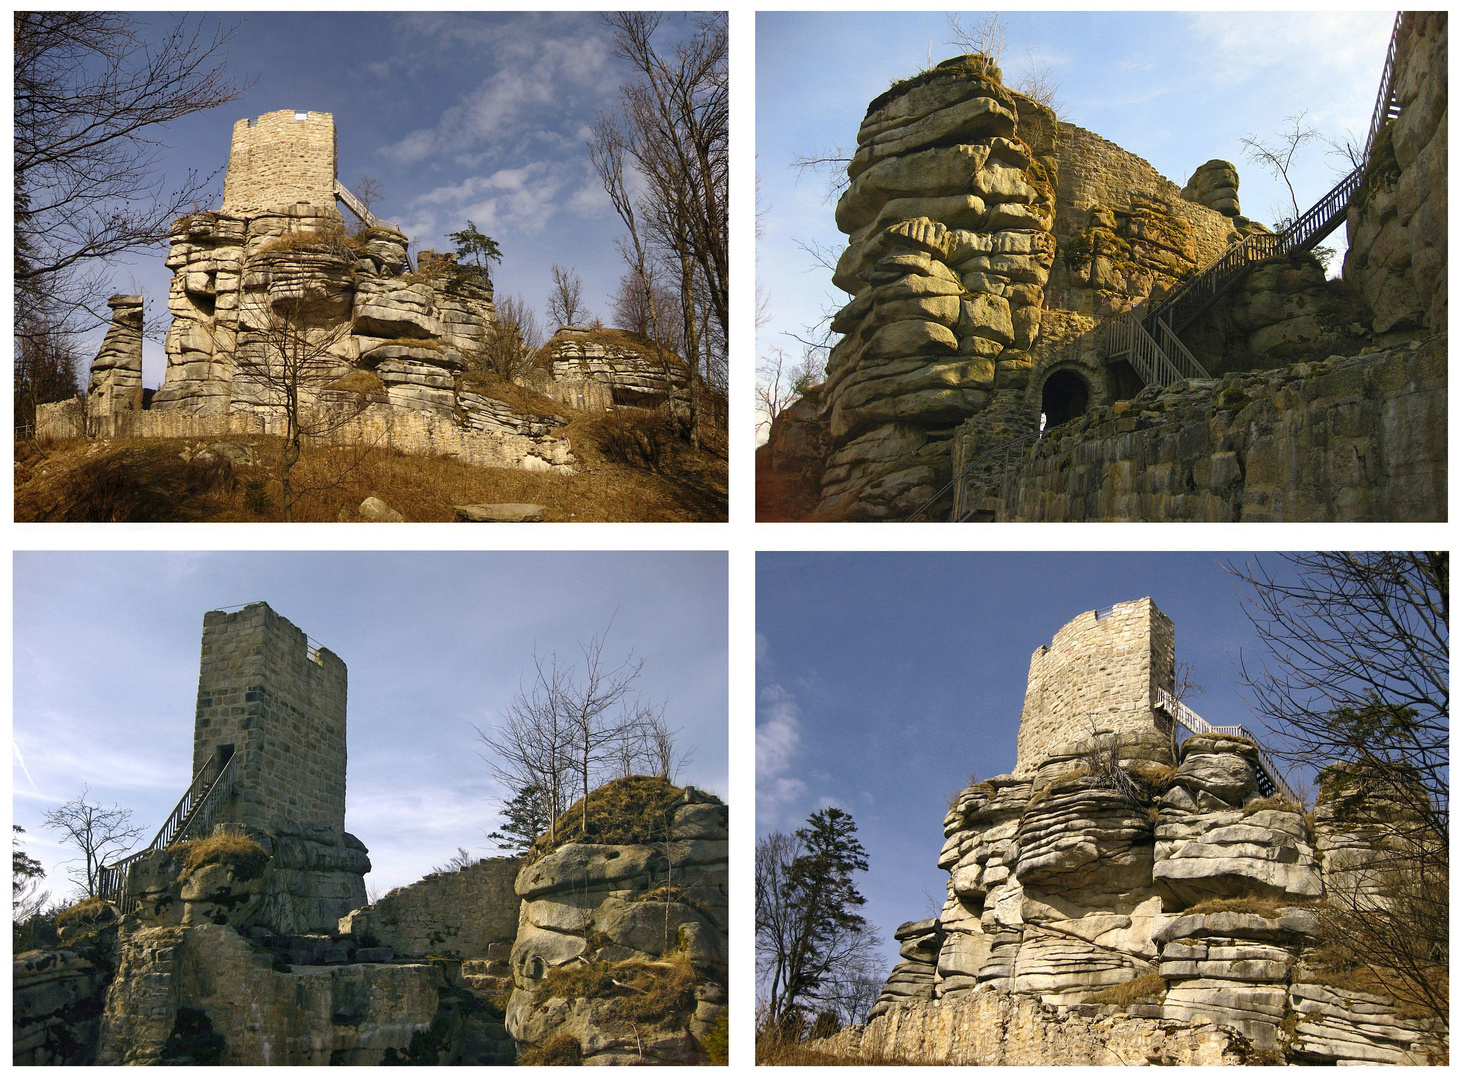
(1064, 397)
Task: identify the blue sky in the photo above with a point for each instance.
(458, 115)
(885, 679)
(106, 673)
(1176, 88)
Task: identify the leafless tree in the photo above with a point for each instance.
(1277, 157)
(1355, 672)
(292, 350)
(100, 833)
(984, 35)
(566, 299)
(368, 191)
(531, 750)
(1039, 84)
(516, 338)
(647, 313)
(673, 126)
(46, 370)
(92, 91)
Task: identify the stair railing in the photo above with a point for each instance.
(189, 819)
(1187, 718)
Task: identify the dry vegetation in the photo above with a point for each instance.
(630, 810)
(1252, 905)
(245, 858)
(629, 469)
(1150, 986)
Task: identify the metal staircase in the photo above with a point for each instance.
(1267, 775)
(190, 819)
(1149, 341)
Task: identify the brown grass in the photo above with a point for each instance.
(645, 991)
(775, 1051)
(1149, 986)
(242, 856)
(521, 398)
(1272, 802)
(90, 910)
(630, 810)
(623, 339)
(146, 480)
(562, 1049)
(1253, 905)
(360, 381)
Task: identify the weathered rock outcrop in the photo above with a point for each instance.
(116, 373)
(1215, 184)
(621, 954)
(1398, 226)
(594, 369)
(1117, 901)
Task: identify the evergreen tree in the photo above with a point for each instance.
(525, 819)
(809, 931)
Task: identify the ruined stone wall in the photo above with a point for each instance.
(1345, 439)
(1398, 227)
(457, 914)
(281, 705)
(1101, 673)
(279, 159)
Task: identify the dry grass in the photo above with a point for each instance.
(1145, 987)
(562, 1049)
(639, 991)
(1252, 905)
(245, 858)
(623, 339)
(772, 1050)
(783, 496)
(147, 480)
(630, 810)
(359, 381)
(90, 911)
(1273, 802)
(523, 400)
(313, 240)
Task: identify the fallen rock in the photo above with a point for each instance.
(500, 512)
(373, 509)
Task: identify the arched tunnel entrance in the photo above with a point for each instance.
(1064, 396)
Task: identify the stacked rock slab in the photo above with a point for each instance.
(962, 194)
(116, 373)
(602, 369)
(651, 906)
(1108, 860)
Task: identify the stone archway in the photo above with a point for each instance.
(1065, 395)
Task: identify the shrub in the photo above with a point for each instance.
(638, 438)
(717, 1041)
(92, 911)
(562, 1049)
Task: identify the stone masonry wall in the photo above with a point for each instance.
(456, 914)
(1098, 675)
(280, 704)
(1345, 439)
(279, 159)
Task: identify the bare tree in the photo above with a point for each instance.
(984, 35)
(292, 348)
(646, 313)
(102, 834)
(1039, 84)
(91, 93)
(566, 303)
(1277, 157)
(368, 192)
(531, 750)
(516, 338)
(46, 370)
(1355, 673)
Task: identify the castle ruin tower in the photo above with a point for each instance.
(1101, 675)
(280, 159)
(269, 698)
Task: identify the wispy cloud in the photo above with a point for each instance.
(780, 793)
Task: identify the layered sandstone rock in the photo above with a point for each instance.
(116, 373)
(626, 914)
(1117, 902)
(595, 369)
(1398, 254)
(1215, 184)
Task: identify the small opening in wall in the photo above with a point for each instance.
(301, 116)
(1103, 613)
(1064, 396)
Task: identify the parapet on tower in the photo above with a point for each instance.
(1101, 674)
(280, 159)
(269, 698)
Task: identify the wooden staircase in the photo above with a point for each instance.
(190, 819)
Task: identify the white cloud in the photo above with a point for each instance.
(779, 741)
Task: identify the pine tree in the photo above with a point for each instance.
(525, 819)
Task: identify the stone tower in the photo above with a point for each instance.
(270, 698)
(280, 159)
(1101, 674)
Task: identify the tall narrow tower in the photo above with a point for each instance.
(269, 698)
(1100, 675)
(279, 159)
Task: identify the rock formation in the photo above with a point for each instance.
(116, 373)
(1119, 901)
(989, 244)
(621, 955)
(591, 368)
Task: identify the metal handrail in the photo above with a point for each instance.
(191, 816)
(1385, 96)
(1007, 448)
(1187, 718)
